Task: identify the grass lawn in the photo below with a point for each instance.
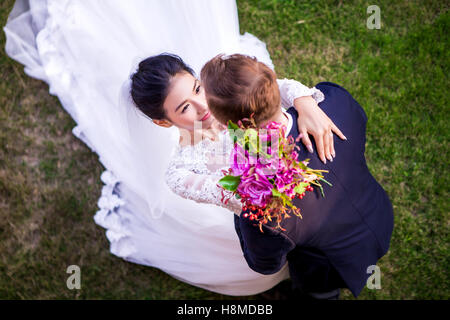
(50, 181)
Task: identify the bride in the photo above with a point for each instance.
(85, 50)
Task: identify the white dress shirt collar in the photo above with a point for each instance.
(289, 126)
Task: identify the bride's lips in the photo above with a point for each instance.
(206, 116)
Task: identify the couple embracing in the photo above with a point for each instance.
(341, 235)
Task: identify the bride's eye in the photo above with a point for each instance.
(184, 109)
(197, 90)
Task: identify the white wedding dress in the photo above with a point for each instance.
(85, 50)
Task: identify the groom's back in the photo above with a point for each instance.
(351, 226)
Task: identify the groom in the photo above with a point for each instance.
(342, 234)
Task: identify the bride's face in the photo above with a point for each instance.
(186, 103)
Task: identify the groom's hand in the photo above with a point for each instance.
(312, 120)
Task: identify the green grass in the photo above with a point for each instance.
(50, 181)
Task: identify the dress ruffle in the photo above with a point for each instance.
(110, 218)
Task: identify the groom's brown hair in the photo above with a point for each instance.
(237, 86)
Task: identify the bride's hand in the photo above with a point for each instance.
(312, 120)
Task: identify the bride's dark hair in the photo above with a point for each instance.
(151, 82)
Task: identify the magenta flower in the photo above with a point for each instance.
(282, 179)
(275, 126)
(256, 187)
(240, 160)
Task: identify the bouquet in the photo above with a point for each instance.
(265, 172)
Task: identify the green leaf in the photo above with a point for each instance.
(301, 187)
(276, 193)
(251, 141)
(321, 190)
(232, 125)
(235, 133)
(252, 134)
(286, 199)
(302, 166)
(230, 182)
(325, 181)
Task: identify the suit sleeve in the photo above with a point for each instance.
(265, 252)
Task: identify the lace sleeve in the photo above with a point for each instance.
(291, 89)
(201, 188)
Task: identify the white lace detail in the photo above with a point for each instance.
(196, 169)
(291, 89)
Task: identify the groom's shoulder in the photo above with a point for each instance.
(326, 87)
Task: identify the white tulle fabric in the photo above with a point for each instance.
(85, 50)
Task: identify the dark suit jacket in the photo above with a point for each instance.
(341, 234)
